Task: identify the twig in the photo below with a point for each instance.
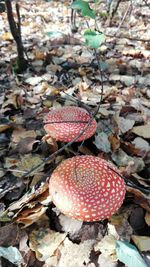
(124, 17)
(14, 170)
(129, 38)
(101, 75)
(102, 87)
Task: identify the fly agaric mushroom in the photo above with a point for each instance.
(66, 123)
(87, 188)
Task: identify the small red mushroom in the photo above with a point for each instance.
(87, 188)
(66, 123)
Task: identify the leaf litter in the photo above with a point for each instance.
(65, 73)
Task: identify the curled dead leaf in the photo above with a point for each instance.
(114, 141)
(147, 218)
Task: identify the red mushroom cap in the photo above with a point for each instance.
(87, 188)
(66, 123)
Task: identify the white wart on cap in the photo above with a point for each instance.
(87, 188)
(66, 123)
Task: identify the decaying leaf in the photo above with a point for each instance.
(141, 144)
(107, 246)
(25, 145)
(33, 194)
(142, 242)
(10, 235)
(143, 130)
(134, 164)
(30, 214)
(28, 162)
(102, 142)
(45, 242)
(132, 150)
(74, 255)
(121, 225)
(21, 133)
(32, 206)
(106, 261)
(114, 141)
(52, 144)
(143, 201)
(147, 218)
(125, 124)
(4, 127)
(33, 80)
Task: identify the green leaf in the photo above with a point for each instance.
(93, 39)
(129, 255)
(84, 7)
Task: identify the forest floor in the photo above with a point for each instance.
(64, 71)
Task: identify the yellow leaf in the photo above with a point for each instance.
(6, 36)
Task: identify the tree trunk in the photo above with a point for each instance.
(15, 29)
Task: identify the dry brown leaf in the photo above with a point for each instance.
(7, 36)
(45, 242)
(39, 54)
(10, 235)
(143, 130)
(121, 225)
(140, 198)
(106, 261)
(52, 144)
(130, 51)
(74, 255)
(85, 150)
(28, 197)
(114, 141)
(11, 101)
(11, 162)
(24, 164)
(147, 218)
(107, 246)
(131, 149)
(4, 127)
(141, 144)
(29, 215)
(25, 145)
(125, 124)
(21, 133)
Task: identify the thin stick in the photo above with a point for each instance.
(123, 19)
(129, 38)
(14, 170)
